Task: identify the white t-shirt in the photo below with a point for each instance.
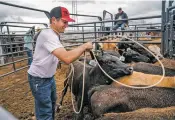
(120, 17)
(44, 63)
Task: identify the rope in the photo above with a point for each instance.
(66, 82)
(72, 71)
(82, 96)
(134, 87)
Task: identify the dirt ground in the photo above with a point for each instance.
(18, 99)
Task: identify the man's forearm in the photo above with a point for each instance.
(76, 53)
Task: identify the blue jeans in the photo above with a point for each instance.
(119, 25)
(44, 92)
(29, 54)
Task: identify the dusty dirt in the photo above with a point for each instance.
(18, 99)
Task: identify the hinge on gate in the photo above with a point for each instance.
(164, 28)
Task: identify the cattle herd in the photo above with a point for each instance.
(105, 99)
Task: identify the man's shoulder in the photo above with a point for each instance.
(124, 13)
(48, 33)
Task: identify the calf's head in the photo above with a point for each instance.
(131, 55)
(156, 51)
(112, 66)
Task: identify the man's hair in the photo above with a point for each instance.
(119, 8)
(56, 18)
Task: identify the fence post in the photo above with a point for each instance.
(11, 50)
(171, 35)
(163, 28)
(95, 35)
(83, 33)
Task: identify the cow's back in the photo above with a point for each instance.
(152, 69)
(122, 99)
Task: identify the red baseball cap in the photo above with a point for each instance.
(61, 12)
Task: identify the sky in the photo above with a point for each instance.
(133, 8)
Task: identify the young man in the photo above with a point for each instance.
(48, 52)
(120, 15)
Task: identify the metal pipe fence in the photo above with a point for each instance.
(96, 32)
(10, 45)
(168, 17)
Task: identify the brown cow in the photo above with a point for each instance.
(168, 63)
(138, 78)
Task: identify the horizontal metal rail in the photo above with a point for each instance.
(13, 53)
(45, 24)
(13, 31)
(138, 18)
(72, 25)
(143, 42)
(100, 18)
(15, 26)
(72, 45)
(15, 47)
(72, 39)
(3, 75)
(14, 62)
(16, 43)
(146, 24)
(77, 38)
(2, 38)
(18, 31)
(151, 30)
(16, 35)
(81, 26)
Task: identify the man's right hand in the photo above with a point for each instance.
(88, 45)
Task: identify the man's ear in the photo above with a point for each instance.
(53, 19)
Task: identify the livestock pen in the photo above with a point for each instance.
(15, 94)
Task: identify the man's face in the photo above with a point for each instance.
(60, 25)
(120, 11)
